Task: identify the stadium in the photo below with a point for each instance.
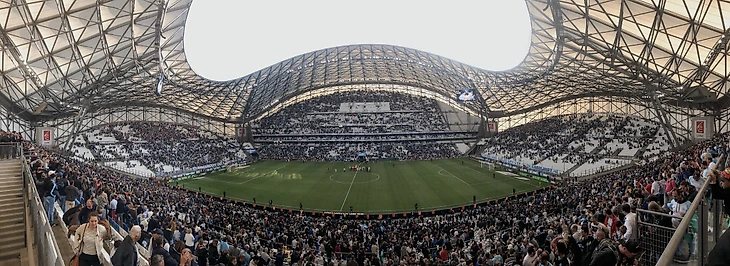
(604, 141)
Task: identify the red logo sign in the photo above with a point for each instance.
(491, 126)
(46, 135)
(700, 127)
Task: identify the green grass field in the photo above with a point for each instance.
(389, 187)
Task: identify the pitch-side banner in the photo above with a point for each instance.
(703, 127)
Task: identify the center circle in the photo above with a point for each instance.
(361, 178)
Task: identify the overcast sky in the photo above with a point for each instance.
(228, 39)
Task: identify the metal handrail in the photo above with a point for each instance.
(659, 213)
(668, 254)
(31, 195)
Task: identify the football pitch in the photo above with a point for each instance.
(388, 187)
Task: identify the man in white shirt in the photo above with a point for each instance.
(656, 187)
(531, 259)
(630, 223)
(679, 207)
(113, 207)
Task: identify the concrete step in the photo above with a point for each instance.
(15, 194)
(18, 200)
(10, 165)
(10, 205)
(13, 238)
(10, 187)
(10, 257)
(11, 169)
(5, 173)
(8, 181)
(11, 180)
(13, 221)
(16, 210)
(17, 178)
(12, 194)
(10, 226)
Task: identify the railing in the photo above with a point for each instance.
(128, 170)
(203, 168)
(654, 237)
(598, 170)
(692, 239)
(44, 241)
(9, 150)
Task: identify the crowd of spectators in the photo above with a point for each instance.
(323, 115)
(348, 151)
(11, 136)
(574, 139)
(583, 223)
(402, 126)
(292, 122)
(367, 137)
(160, 144)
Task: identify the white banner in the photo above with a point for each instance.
(45, 136)
(700, 129)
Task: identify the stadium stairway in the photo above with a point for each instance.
(569, 171)
(596, 149)
(12, 214)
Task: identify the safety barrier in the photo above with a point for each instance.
(692, 239)
(46, 251)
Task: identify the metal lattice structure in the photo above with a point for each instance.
(65, 61)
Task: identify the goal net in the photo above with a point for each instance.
(235, 166)
(487, 165)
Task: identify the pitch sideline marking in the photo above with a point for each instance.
(452, 174)
(348, 190)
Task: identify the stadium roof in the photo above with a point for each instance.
(60, 57)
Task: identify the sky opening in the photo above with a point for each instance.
(228, 39)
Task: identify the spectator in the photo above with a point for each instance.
(88, 242)
(72, 194)
(85, 213)
(189, 238)
(720, 187)
(50, 192)
(157, 249)
(126, 253)
(630, 222)
(157, 260)
(611, 253)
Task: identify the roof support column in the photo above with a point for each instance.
(76, 125)
(662, 116)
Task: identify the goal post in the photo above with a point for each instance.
(234, 166)
(488, 165)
